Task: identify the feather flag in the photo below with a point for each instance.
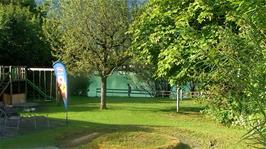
(61, 80)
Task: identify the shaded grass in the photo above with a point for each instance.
(130, 117)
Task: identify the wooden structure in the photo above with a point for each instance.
(13, 84)
(43, 82)
(17, 83)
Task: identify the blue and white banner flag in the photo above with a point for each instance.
(61, 80)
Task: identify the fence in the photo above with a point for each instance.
(160, 93)
(113, 92)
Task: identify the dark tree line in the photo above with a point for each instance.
(21, 37)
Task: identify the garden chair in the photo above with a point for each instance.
(9, 117)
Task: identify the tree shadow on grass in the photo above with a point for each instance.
(54, 108)
(61, 131)
(182, 146)
(184, 110)
(88, 105)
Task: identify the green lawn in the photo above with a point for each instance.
(131, 123)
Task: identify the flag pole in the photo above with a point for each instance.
(66, 117)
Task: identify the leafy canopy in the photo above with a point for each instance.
(90, 34)
(218, 43)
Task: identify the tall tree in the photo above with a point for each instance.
(90, 35)
(209, 41)
(21, 37)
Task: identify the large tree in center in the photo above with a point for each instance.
(90, 35)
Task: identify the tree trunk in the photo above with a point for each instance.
(103, 93)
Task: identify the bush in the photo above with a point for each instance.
(79, 85)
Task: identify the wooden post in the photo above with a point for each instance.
(10, 81)
(51, 84)
(181, 94)
(0, 72)
(33, 83)
(18, 78)
(40, 73)
(177, 98)
(25, 79)
(44, 82)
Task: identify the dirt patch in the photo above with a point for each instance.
(133, 140)
(46, 147)
(80, 140)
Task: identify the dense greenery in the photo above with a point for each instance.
(21, 38)
(90, 35)
(211, 42)
(78, 84)
(220, 44)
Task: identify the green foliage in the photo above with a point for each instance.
(218, 43)
(79, 84)
(257, 133)
(90, 36)
(21, 38)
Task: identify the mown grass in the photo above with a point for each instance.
(126, 122)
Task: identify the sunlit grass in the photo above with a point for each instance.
(131, 118)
